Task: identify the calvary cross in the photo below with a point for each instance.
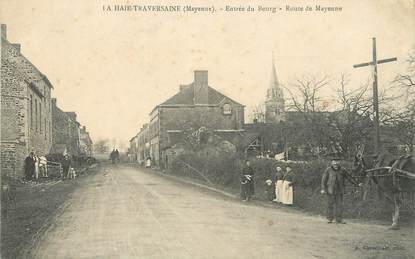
(374, 63)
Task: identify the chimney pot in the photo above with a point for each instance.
(17, 46)
(201, 77)
(201, 88)
(4, 31)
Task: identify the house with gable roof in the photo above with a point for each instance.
(195, 106)
(26, 113)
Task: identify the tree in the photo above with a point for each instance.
(406, 81)
(402, 124)
(351, 121)
(102, 146)
(309, 118)
(402, 119)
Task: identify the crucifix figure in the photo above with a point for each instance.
(374, 63)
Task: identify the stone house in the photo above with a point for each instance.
(26, 113)
(132, 149)
(140, 144)
(85, 142)
(195, 105)
(66, 130)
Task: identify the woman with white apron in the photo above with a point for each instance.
(279, 175)
(288, 190)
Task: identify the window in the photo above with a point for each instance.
(36, 114)
(45, 129)
(227, 108)
(277, 111)
(40, 117)
(31, 112)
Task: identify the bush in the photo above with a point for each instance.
(224, 171)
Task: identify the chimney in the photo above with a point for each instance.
(16, 46)
(4, 31)
(183, 87)
(201, 87)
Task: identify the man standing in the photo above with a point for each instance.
(247, 182)
(29, 166)
(66, 165)
(333, 185)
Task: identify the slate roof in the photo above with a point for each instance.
(23, 65)
(186, 97)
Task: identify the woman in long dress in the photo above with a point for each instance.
(288, 190)
(36, 158)
(279, 175)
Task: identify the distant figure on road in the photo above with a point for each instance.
(247, 182)
(113, 156)
(117, 155)
(29, 166)
(333, 185)
(278, 181)
(287, 186)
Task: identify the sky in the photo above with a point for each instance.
(113, 68)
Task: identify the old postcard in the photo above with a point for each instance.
(207, 129)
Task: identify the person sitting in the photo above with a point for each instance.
(269, 190)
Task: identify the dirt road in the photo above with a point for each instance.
(123, 212)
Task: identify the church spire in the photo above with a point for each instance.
(274, 78)
(274, 104)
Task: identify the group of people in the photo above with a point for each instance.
(115, 156)
(35, 167)
(281, 188)
(282, 191)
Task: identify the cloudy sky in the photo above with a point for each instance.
(112, 68)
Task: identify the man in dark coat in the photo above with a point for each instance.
(29, 166)
(66, 164)
(247, 181)
(333, 185)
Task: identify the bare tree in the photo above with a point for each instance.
(406, 81)
(309, 123)
(402, 124)
(102, 146)
(351, 121)
(258, 113)
(305, 93)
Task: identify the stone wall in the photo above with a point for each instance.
(184, 118)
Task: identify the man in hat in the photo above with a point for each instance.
(333, 185)
(247, 182)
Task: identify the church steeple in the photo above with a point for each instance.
(274, 78)
(274, 104)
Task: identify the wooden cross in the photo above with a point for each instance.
(374, 63)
